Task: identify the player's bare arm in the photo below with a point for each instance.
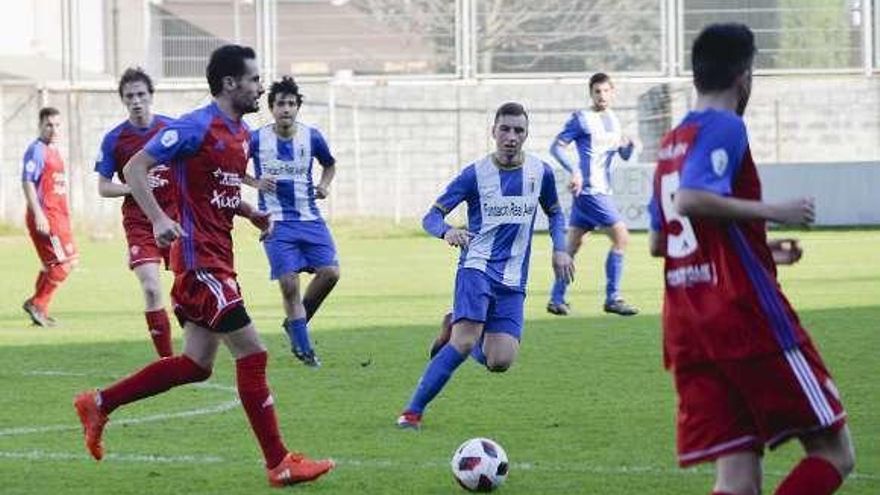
(165, 229)
(109, 189)
(656, 244)
(322, 190)
(265, 184)
(697, 203)
(40, 220)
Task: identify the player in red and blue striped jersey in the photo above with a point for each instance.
(207, 150)
(118, 146)
(746, 372)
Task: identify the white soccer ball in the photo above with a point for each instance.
(479, 465)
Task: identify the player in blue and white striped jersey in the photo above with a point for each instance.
(503, 191)
(598, 137)
(300, 241)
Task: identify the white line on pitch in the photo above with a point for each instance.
(27, 430)
(39, 455)
(568, 467)
(572, 467)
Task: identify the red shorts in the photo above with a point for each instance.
(204, 296)
(142, 247)
(739, 405)
(58, 247)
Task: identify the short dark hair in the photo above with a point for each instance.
(721, 53)
(511, 108)
(47, 112)
(227, 61)
(135, 74)
(286, 86)
(599, 78)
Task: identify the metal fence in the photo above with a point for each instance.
(465, 39)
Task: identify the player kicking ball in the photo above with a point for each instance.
(503, 191)
(208, 152)
(746, 372)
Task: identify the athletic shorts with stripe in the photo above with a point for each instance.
(142, 247)
(741, 405)
(205, 296)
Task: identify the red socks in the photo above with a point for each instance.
(812, 476)
(153, 379)
(160, 331)
(48, 281)
(258, 404)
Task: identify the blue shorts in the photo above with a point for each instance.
(592, 211)
(479, 298)
(295, 247)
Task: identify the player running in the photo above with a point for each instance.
(44, 182)
(598, 137)
(118, 146)
(300, 240)
(207, 150)
(503, 191)
(746, 372)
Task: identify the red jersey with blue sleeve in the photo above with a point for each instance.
(208, 155)
(722, 300)
(44, 168)
(118, 146)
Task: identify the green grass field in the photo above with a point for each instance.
(587, 408)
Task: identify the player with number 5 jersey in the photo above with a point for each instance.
(746, 372)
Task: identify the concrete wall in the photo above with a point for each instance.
(845, 193)
(398, 145)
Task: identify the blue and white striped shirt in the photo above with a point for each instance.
(289, 162)
(502, 204)
(597, 138)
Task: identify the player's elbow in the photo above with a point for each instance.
(432, 221)
(137, 165)
(102, 190)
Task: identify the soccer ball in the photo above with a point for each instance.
(479, 465)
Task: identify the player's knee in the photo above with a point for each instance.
(845, 461)
(289, 289)
(58, 273)
(152, 292)
(330, 274)
(193, 369)
(498, 365)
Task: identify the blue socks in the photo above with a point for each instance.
(613, 273)
(299, 335)
(477, 352)
(557, 294)
(436, 375)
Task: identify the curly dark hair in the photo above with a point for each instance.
(286, 86)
